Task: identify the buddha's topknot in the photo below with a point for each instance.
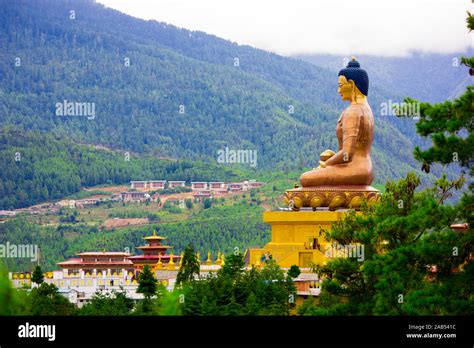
(354, 72)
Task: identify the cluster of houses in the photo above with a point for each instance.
(141, 191)
(53, 207)
(200, 189)
(86, 202)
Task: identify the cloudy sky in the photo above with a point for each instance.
(289, 27)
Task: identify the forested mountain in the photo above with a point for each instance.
(172, 92)
(35, 167)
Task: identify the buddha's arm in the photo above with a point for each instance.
(350, 133)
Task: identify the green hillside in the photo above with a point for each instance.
(36, 167)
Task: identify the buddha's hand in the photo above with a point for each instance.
(322, 164)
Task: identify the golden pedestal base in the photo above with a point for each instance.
(297, 238)
(332, 197)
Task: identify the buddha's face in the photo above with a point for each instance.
(345, 89)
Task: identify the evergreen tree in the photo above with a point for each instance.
(189, 203)
(45, 300)
(449, 125)
(294, 271)
(234, 265)
(252, 305)
(37, 276)
(207, 203)
(147, 284)
(189, 266)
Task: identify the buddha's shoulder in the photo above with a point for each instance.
(355, 110)
(352, 111)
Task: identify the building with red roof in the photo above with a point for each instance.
(153, 253)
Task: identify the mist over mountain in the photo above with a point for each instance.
(427, 77)
(161, 90)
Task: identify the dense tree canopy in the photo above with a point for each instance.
(413, 262)
(234, 291)
(115, 303)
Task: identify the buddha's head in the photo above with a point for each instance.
(353, 81)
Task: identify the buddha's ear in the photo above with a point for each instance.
(353, 89)
(352, 83)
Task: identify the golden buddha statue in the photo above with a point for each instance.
(342, 177)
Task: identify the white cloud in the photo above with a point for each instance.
(388, 28)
